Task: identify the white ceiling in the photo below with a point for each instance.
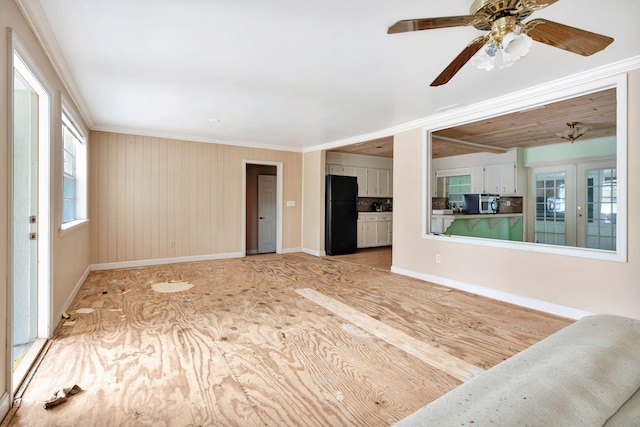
(290, 74)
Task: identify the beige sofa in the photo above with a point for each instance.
(587, 374)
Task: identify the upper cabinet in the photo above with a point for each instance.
(502, 174)
(378, 183)
(500, 179)
(371, 182)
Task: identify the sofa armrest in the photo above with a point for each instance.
(581, 375)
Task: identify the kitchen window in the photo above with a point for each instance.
(453, 184)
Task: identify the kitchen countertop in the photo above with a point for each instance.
(477, 216)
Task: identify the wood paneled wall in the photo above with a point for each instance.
(157, 198)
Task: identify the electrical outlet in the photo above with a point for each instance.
(172, 244)
(438, 258)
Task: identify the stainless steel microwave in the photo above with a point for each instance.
(477, 203)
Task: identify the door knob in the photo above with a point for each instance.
(261, 217)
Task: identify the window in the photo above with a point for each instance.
(454, 187)
(74, 173)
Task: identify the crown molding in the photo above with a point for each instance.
(37, 20)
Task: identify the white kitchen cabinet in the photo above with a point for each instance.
(361, 174)
(384, 233)
(500, 178)
(349, 170)
(378, 183)
(335, 169)
(508, 177)
(370, 234)
(374, 229)
(440, 223)
(361, 234)
(477, 179)
(371, 182)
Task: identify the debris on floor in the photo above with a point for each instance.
(60, 395)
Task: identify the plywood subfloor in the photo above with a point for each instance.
(379, 258)
(245, 347)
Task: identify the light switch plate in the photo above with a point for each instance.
(291, 203)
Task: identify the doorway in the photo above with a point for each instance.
(263, 211)
(29, 177)
(575, 205)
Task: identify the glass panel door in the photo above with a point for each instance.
(30, 220)
(552, 218)
(25, 210)
(597, 203)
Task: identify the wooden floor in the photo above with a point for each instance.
(379, 258)
(269, 340)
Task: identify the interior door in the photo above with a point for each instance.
(25, 210)
(267, 213)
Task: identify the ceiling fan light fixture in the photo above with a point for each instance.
(485, 59)
(515, 45)
(504, 53)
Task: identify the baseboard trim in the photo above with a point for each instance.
(532, 303)
(161, 261)
(5, 405)
(69, 301)
(291, 250)
(312, 252)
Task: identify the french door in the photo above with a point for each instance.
(574, 205)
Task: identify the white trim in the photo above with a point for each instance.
(162, 261)
(71, 226)
(581, 160)
(518, 103)
(292, 250)
(5, 405)
(457, 114)
(279, 197)
(532, 303)
(313, 252)
(35, 16)
(55, 320)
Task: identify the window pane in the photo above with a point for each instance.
(601, 188)
(68, 211)
(68, 188)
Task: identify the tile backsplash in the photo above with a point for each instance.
(366, 204)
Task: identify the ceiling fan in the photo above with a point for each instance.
(507, 35)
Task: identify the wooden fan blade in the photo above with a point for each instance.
(565, 37)
(433, 23)
(464, 57)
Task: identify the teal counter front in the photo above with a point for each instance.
(489, 226)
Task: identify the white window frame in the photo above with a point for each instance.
(80, 173)
(522, 101)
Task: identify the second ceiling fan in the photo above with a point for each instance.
(507, 34)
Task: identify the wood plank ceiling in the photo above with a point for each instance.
(527, 128)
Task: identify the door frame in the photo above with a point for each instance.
(44, 215)
(279, 186)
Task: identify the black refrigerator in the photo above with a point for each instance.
(341, 216)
